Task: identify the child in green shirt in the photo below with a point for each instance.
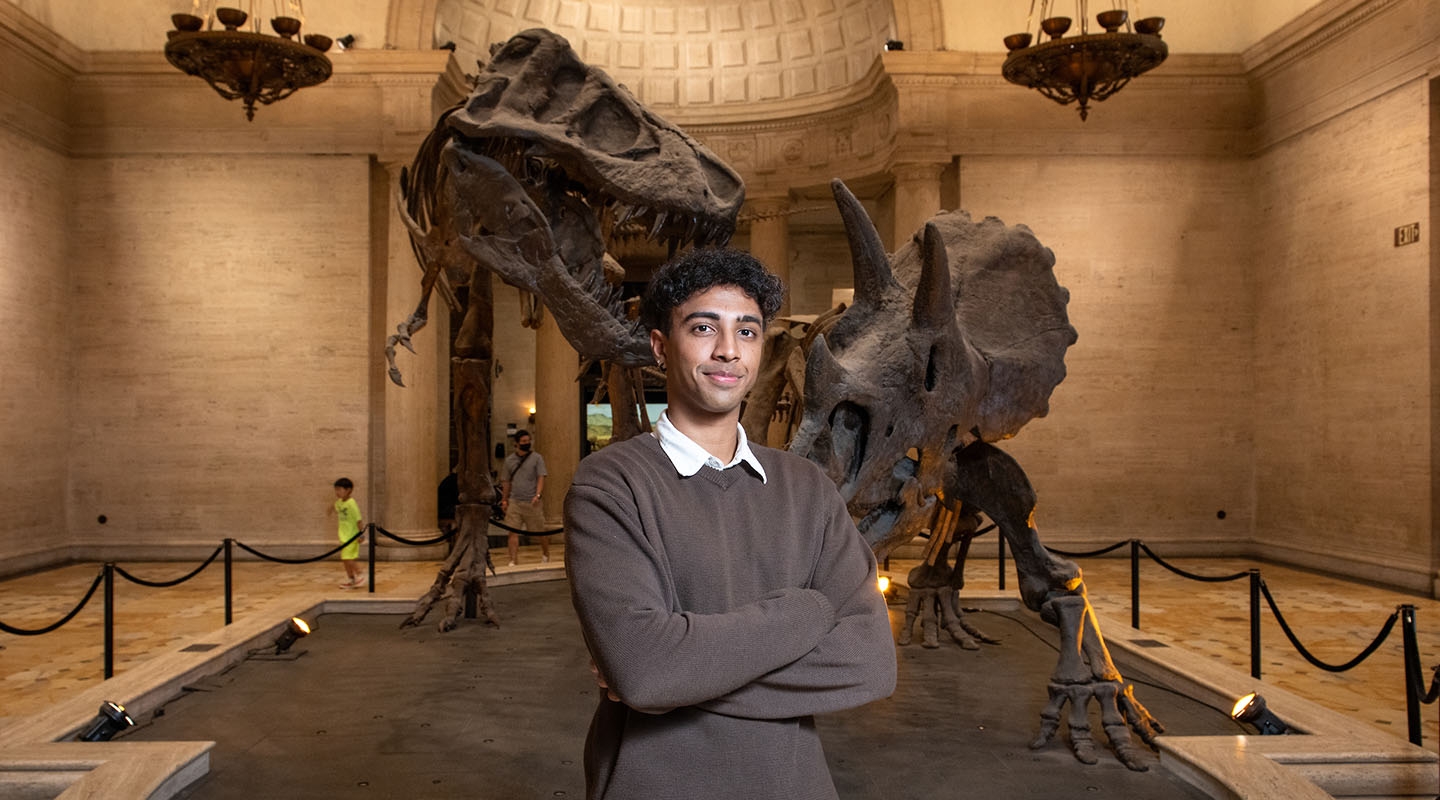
(347, 512)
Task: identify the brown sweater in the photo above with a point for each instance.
(724, 612)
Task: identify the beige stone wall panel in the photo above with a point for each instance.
(1149, 435)
(1343, 472)
(220, 367)
(34, 302)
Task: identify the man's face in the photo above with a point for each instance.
(711, 353)
(523, 443)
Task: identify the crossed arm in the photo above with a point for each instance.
(794, 652)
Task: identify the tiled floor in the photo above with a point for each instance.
(1335, 619)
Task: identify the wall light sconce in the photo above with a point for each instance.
(294, 631)
(111, 720)
(1251, 709)
(346, 42)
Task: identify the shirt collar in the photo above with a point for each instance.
(688, 457)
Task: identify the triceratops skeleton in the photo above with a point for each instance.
(955, 341)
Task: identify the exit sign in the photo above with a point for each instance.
(1407, 234)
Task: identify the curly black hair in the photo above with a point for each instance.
(701, 269)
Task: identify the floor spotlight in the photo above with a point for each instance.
(111, 720)
(1251, 709)
(296, 629)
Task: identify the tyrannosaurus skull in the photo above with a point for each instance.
(548, 158)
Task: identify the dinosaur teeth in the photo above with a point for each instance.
(657, 225)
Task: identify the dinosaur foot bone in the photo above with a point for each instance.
(1085, 673)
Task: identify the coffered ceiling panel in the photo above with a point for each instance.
(679, 54)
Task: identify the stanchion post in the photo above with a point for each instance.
(1255, 623)
(1135, 584)
(109, 619)
(370, 534)
(1000, 537)
(1412, 674)
(229, 586)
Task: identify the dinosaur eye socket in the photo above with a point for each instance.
(517, 47)
(609, 126)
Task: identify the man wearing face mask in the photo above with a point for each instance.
(521, 482)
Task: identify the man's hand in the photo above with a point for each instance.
(600, 681)
(535, 501)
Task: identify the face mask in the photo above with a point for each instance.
(524, 448)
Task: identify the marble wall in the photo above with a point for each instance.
(34, 356)
(219, 364)
(1150, 434)
(1343, 470)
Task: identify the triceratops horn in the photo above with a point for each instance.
(872, 265)
(934, 304)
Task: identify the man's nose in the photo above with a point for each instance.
(727, 346)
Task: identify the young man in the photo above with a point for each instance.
(520, 488)
(723, 591)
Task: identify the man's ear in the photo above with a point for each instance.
(657, 345)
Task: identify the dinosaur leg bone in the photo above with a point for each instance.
(990, 480)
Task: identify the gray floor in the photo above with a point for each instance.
(371, 711)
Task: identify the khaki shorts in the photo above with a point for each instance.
(525, 516)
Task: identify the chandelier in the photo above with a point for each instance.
(1088, 67)
(247, 64)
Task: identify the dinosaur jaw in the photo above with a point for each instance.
(520, 214)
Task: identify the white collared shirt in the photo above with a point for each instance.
(688, 457)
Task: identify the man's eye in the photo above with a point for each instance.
(702, 328)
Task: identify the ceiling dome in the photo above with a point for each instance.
(695, 55)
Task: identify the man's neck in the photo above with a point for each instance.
(717, 434)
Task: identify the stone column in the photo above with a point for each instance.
(917, 197)
(770, 236)
(416, 415)
(556, 432)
